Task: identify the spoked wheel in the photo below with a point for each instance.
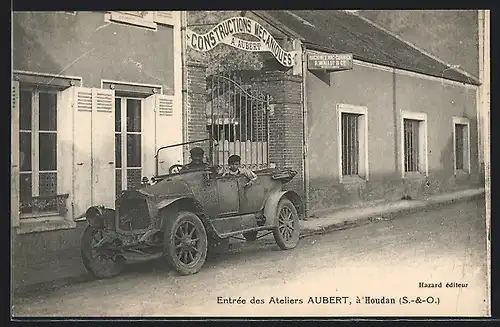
(185, 243)
(250, 236)
(98, 264)
(174, 169)
(287, 230)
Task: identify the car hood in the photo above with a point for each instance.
(169, 187)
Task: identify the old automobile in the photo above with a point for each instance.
(181, 215)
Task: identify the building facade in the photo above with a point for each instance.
(399, 124)
(93, 96)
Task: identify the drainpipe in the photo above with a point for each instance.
(184, 95)
(305, 132)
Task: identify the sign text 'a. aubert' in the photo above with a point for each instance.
(224, 33)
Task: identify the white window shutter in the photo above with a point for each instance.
(14, 156)
(168, 131)
(65, 112)
(82, 150)
(164, 17)
(103, 147)
(148, 133)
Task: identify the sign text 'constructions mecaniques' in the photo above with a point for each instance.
(224, 33)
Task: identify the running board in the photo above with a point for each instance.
(225, 235)
(141, 257)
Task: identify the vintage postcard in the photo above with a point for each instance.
(284, 163)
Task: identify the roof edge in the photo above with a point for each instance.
(281, 27)
(313, 46)
(474, 79)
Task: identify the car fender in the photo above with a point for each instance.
(271, 205)
(185, 203)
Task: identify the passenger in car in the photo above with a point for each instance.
(235, 169)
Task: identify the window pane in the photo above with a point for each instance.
(25, 110)
(118, 180)
(459, 146)
(48, 184)
(407, 150)
(48, 112)
(350, 144)
(118, 114)
(25, 151)
(48, 151)
(133, 115)
(118, 150)
(411, 144)
(134, 178)
(133, 150)
(24, 192)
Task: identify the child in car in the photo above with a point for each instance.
(235, 169)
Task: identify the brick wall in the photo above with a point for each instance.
(195, 122)
(285, 123)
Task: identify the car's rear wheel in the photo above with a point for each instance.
(185, 243)
(250, 236)
(286, 231)
(99, 264)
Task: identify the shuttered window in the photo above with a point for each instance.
(128, 143)
(37, 149)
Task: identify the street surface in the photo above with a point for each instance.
(385, 259)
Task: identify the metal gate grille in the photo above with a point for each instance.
(237, 118)
(411, 143)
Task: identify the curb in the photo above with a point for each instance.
(411, 207)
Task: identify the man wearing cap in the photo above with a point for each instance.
(196, 159)
(235, 170)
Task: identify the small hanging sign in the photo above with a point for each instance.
(329, 61)
(224, 33)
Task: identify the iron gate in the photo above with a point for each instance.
(237, 119)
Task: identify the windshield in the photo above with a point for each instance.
(198, 152)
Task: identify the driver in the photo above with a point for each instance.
(196, 160)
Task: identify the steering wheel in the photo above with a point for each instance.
(175, 169)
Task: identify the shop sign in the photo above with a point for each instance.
(329, 61)
(225, 31)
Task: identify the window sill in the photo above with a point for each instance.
(352, 179)
(461, 173)
(414, 175)
(45, 223)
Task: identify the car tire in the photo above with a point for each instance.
(99, 266)
(287, 230)
(250, 236)
(185, 243)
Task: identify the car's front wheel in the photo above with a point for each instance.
(98, 264)
(185, 243)
(286, 231)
